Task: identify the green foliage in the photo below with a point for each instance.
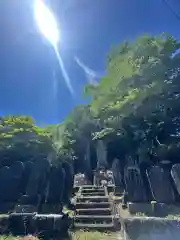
(138, 99)
(21, 139)
(75, 132)
(134, 108)
(140, 214)
(93, 235)
(173, 217)
(138, 71)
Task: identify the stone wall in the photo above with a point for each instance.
(150, 228)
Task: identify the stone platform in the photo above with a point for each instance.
(146, 228)
(154, 209)
(20, 224)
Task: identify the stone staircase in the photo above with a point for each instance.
(93, 209)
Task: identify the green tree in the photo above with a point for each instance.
(138, 99)
(21, 139)
(135, 106)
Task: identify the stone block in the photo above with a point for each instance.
(21, 223)
(145, 208)
(163, 209)
(153, 228)
(161, 185)
(46, 227)
(4, 224)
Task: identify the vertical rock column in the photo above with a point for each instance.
(101, 152)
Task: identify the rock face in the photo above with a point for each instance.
(175, 173)
(4, 180)
(87, 163)
(10, 179)
(160, 183)
(35, 191)
(10, 186)
(134, 185)
(101, 154)
(68, 182)
(161, 187)
(30, 186)
(14, 186)
(26, 174)
(54, 193)
(117, 173)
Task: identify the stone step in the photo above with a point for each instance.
(83, 205)
(93, 193)
(107, 226)
(87, 187)
(91, 190)
(94, 211)
(93, 199)
(93, 219)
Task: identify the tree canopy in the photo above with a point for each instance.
(21, 139)
(135, 109)
(135, 106)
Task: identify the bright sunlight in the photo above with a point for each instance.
(48, 26)
(46, 22)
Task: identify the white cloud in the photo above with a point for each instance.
(91, 75)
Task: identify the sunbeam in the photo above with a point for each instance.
(64, 72)
(48, 26)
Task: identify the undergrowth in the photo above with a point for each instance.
(94, 235)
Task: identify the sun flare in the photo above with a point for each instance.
(46, 22)
(48, 26)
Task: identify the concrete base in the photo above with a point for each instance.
(22, 224)
(150, 228)
(4, 224)
(145, 208)
(154, 209)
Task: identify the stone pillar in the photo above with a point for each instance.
(101, 152)
(117, 173)
(88, 169)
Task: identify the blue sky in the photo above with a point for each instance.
(31, 81)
